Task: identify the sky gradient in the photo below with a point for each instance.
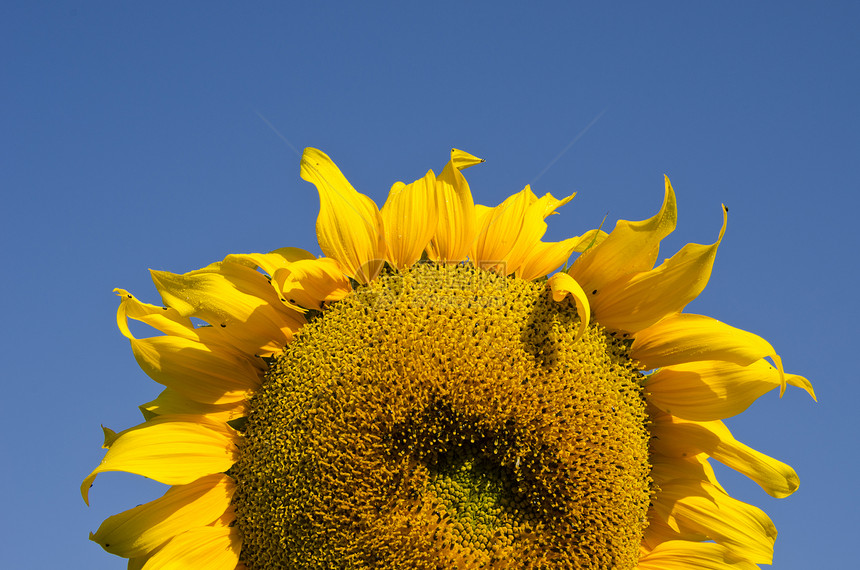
(136, 137)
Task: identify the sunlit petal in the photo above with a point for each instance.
(349, 226)
(631, 247)
(684, 338)
(563, 285)
(210, 547)
(172, 403)
(639, 300)
(236, 298)
(744, 529)
(174, 450)
(500, 227)
(679, 438)
(410, 216)
(714, 389)
(545, 258)
(456, 224)
(684, 555)
(196, 370)
(307, 284)
(141, 530)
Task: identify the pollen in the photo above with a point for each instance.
(442, 416)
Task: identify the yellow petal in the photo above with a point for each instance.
(545, 257)
(631, 247)
(349, 226)
(195, 370)
(563, 285)
(693, 465)
(663, 471)
(209, 547)
(744, 529)
(500, 227)
(512, 234)
(171, 403)
(713, 389)
(171, 322)
(676, 438)
(461, 160)
(409, 217)
(456, 225)
(209, 372)
(659, 532)
(684, 555)
(547, 205)
(165, 319)
(174, 450)
(138, 531)
(236, 298)
(542, 258)
(272, 261)
(684, 338)
(482, 214)
(310, 283)
(639, 300)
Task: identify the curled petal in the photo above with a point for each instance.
(547, 205)
(168, 320)
(349, 226)
(456, 223)
(639, 300)
(138, 531)
(630, 248)
(461, 160)
(110, 436)
(206, 372)
(563, 285)
(165, 319)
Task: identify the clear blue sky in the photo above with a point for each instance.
(140, 136)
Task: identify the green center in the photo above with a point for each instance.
(444, 417)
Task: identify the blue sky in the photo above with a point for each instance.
(140, 136)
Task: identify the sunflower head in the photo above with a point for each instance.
(431, 395)
(442, 413)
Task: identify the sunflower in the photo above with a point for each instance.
(432, 394)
